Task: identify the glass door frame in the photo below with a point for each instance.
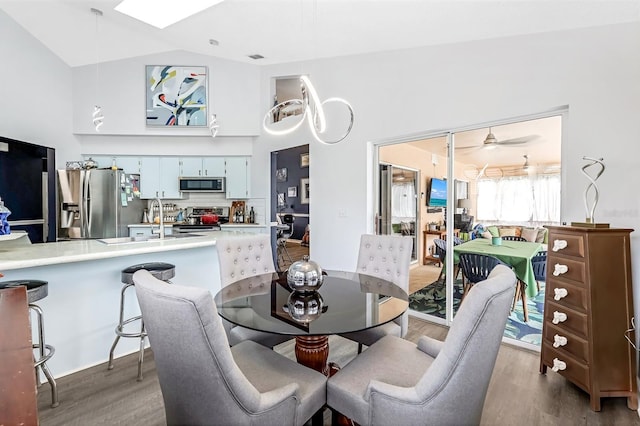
(373, 148)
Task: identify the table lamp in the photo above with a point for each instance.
(464, 204)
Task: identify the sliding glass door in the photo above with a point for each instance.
(498, 177)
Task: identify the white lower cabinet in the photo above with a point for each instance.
(146, 230)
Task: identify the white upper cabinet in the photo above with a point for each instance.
(202, 166)
(237, 177)
(213, 166)
(159, 177)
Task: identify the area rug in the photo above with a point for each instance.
(432, 300)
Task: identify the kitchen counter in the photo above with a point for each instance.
(84, 277)
(84, 250)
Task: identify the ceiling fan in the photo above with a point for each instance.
(491, 141)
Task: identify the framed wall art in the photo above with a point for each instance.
(281, 174)
(304, 160)
(292, 191)
(304, 191)
(176, 95)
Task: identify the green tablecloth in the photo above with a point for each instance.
(516, 254)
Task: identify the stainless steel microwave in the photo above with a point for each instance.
(201, 184)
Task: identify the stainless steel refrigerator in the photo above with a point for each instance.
(98, 203)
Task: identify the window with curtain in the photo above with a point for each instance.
(403, 204)
(519, 199)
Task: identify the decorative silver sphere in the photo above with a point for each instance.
(305, 307)
(304, 275)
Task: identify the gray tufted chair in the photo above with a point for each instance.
(240, 258)
(204, 381)
(440, 383)
(387, 257)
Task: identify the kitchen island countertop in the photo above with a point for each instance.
(85, 281)
(83, 250)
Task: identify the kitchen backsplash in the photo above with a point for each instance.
(205, 199)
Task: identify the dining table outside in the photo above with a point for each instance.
(516, 254)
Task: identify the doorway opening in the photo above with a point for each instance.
(501, 175)
(290, 203)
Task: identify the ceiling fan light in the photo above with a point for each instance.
(490, 139)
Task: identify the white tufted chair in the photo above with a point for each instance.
(240, 258)
(387, 257)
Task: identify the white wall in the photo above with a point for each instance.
(35, 86)
(415, 91)
(233, 89)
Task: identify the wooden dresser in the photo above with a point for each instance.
(588, 307)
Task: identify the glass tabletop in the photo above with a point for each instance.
(347, 302)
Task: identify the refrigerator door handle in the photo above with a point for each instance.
(84, 214)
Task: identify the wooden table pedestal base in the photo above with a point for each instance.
(313, 352)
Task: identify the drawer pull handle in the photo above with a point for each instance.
(558, 365)
(559, 340)
(559, 245)
(559, 317)
(559, 269)
(559, 293)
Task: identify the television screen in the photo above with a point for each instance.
(437, 193)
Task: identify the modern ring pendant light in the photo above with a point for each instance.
(312, 110)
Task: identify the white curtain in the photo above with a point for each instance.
(519, 199)
(403, 200)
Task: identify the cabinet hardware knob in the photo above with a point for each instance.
(559, 293)
(559, 317)
(559, 269)
(559, 341)
(559, 245)
(558, 365)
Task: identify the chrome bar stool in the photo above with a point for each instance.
(37, 290)
(160, 270)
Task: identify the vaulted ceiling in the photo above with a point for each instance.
(291, 30)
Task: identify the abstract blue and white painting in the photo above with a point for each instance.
(176, 95)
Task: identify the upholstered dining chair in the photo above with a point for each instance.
(240, 258)
(387, 257)
(441, 383)
(204, 381)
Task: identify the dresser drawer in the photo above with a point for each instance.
(561, 267)
(575, 345)
(566, 244)
(576, 297)
(575, 371)
(575, 322)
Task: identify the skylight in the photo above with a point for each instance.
(162, 13)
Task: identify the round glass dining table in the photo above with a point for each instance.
(346, 302)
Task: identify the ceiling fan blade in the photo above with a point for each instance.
(519, 141)
(483, 171)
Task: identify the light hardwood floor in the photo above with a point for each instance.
(517, 395)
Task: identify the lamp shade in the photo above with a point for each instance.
(464, 203)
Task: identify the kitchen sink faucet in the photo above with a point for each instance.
(160, 214)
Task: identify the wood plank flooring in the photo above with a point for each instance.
(517, 395)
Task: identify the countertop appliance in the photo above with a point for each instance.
(197, 214)
(201, 184)
(98, 203)
(27, 186)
